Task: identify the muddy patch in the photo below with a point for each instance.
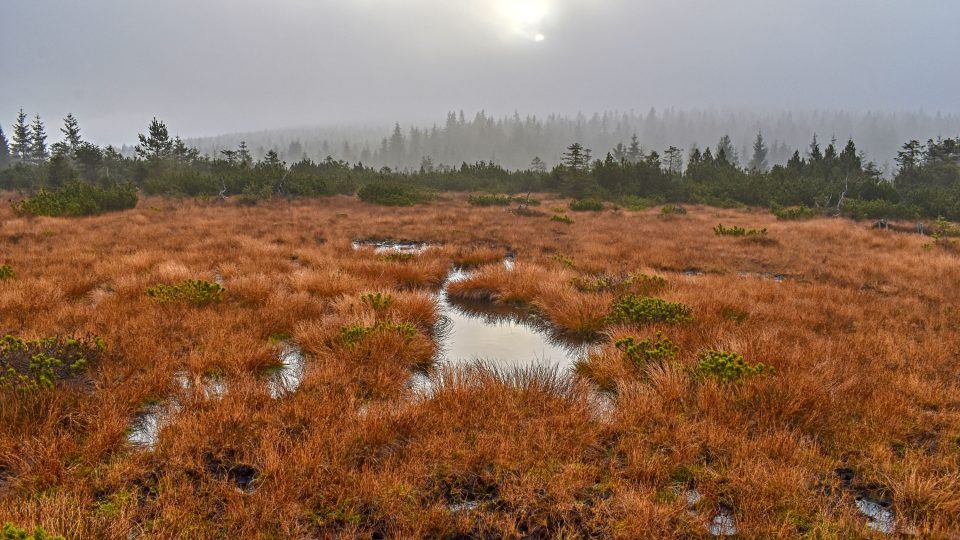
(225, 469)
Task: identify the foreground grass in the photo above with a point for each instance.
(860, 338)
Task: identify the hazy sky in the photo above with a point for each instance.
(214, 66)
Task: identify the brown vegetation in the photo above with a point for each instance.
(861, 334)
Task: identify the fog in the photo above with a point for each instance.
(210, 67)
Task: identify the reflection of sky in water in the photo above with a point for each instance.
(289, 374)
(500, 336)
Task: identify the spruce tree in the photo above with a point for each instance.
(21, 137)
(4, 149)
(71, 132)
(243, 154)
(759, 161)
(38, 140)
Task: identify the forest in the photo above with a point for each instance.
(75, 177)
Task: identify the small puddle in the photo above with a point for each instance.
(286, 377)
(501, 336)
(880, 517)
(392, 246)
(723, 523)
(212, 386)
(145, 430)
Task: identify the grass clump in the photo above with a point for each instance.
(720, 230)
(654, 349)
(562, 218)
(586, 205)
(648, 310)
(39, 364)
(78, 199)
(794, 213)
(396, 257)
(6, 272)
(636, 283)
(193, 291)
(355, 333)
(728, 366)
(392, 193)
(12, 532)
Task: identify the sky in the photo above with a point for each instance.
(218, 66)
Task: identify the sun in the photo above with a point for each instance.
(525, 18)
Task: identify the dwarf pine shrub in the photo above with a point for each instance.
(355, 333)
(648, 310)
(654, 349)
(78, 199)
(6, 272)
(39, 364)
(194, 291)
(720, 230)
(392, 193)
(794, 213)
(673, 210)
(12, 532)
(562, 218)
(728, 366)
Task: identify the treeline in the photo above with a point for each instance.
(512, 140)
(830, 178)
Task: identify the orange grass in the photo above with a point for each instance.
(862, 333)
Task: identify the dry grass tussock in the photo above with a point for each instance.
(858, 329)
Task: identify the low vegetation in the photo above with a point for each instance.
(858, 373)
(193, 291)
(392, 193)
(720, 230)
(78, 199)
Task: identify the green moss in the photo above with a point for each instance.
(6, 272)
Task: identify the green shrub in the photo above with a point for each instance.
(647, 350)
(793, 213)
(490, 200)
(78, 199)
(377, 301)
(12, 532)
(562, 218)
(720, 230)
(647, 310)
(355, 333)
(32, 365)
(728, 366)
(673, 210)
(586, 205)
(194, 291)
(6, 272)
(564, 260)
(636, 204)
(880, 209)
(392, 193)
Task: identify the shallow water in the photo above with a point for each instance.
(289, 373)
(499, 336)
(392, 246)
(879, 516)
(145, 431)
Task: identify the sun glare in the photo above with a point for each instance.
(525, 18)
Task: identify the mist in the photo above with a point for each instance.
(211, 67)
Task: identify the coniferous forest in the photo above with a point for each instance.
(75, 177)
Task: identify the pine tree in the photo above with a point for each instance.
(21, 137)
(575, 157)
(4, 149)
(38, 140)
(759, 161)
(726, 152)
(538, 166)
(674, 158)
(157, 144)
(71, 132)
